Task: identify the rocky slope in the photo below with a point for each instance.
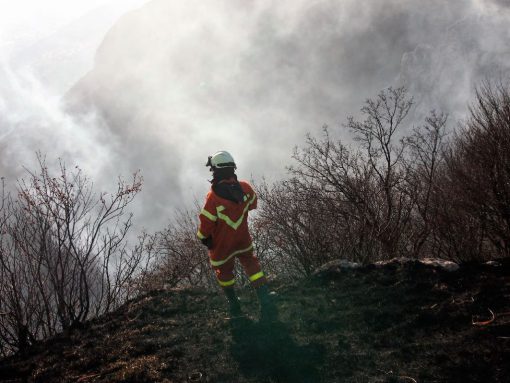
(398, 322)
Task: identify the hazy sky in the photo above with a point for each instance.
(23, 21)
(173, 81)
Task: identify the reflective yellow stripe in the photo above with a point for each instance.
(200, 235)
(227, 219)
(208, 215)
(219, 263)
(227, 283)
(254, 277)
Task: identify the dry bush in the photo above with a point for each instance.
(426, 160)
(63, 254)
(295, 235)
(179, 259)
(473, 219)
(363, 204)
(412, 195)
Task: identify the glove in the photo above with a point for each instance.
(207, 242)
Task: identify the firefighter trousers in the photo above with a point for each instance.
(251, 266)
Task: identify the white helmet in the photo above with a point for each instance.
(221, 159)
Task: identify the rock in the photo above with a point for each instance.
(493, 263)
(336, 266)
(440, 263)
(393, 261)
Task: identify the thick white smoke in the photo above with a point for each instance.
(44, 50)
(175, 81)
(31, 119)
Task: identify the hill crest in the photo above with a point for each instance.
(401, 321)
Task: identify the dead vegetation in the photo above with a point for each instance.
(63, 254)
(402, 191)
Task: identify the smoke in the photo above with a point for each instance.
(175, 81)
(31, 120)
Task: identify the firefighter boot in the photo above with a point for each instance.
(268, 311)
(234, 308)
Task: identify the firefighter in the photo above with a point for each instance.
(224, 230)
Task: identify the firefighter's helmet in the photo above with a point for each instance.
(220, 160)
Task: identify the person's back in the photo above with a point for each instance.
(226, 219)
(224, 230)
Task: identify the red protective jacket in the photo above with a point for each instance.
(227, 223)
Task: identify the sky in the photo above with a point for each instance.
(159, 85)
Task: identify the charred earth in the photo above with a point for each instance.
(400, 321)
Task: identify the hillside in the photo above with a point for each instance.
(398, 322)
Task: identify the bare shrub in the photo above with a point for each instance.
(63, 254)
(179, 259)
(291, 224)
(366, 203)
(426, 145)
(474, 222)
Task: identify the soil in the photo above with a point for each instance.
(402, 322)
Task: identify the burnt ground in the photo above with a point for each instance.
(397, 323)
